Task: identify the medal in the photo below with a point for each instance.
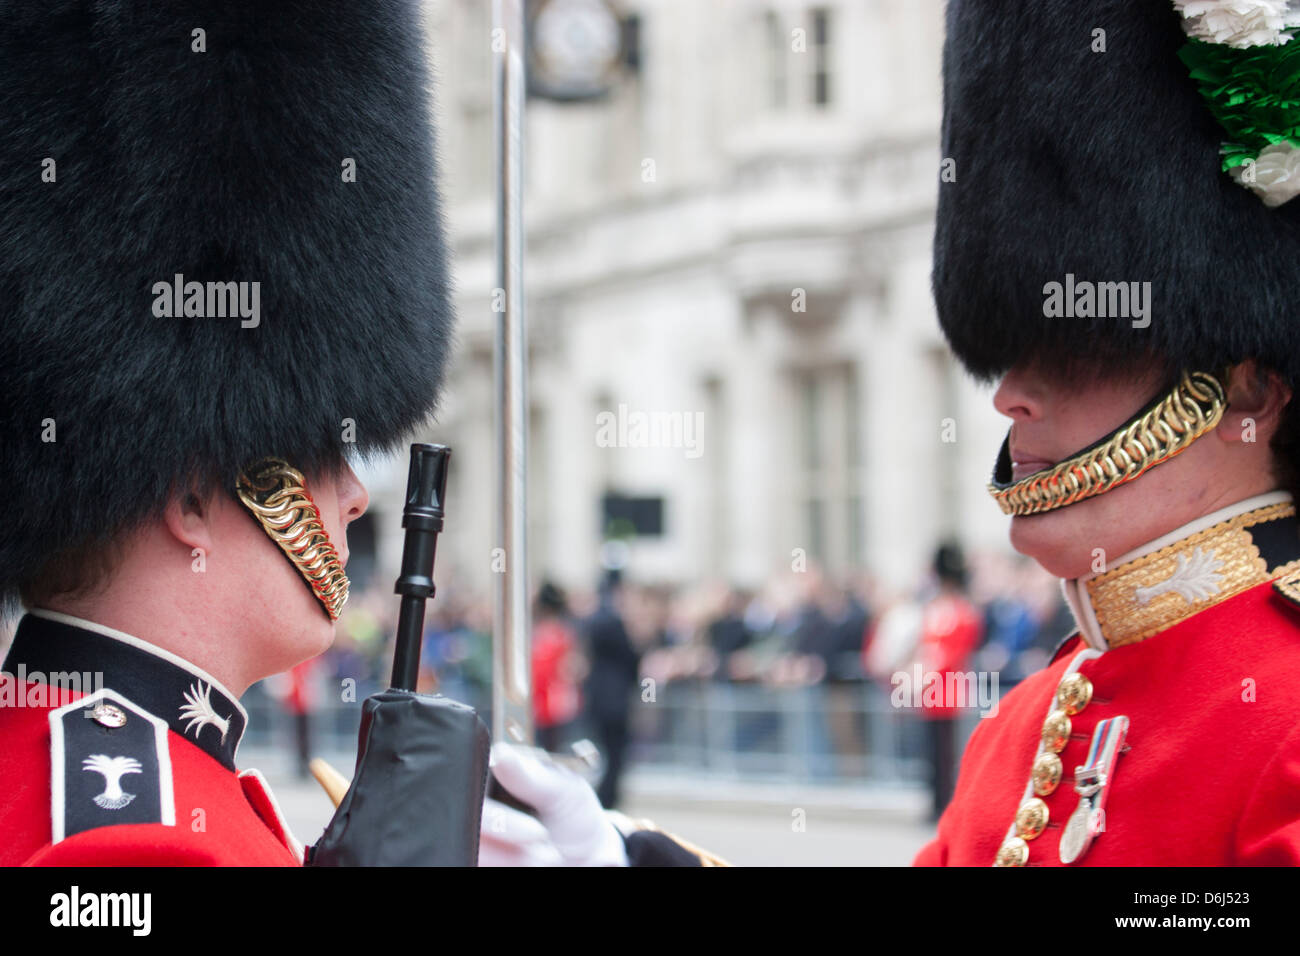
(1079, 831)
(1092, 782)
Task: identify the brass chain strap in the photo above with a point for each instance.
(1193, 407)
(276, 494)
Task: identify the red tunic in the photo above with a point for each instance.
(1212, 773)
(555, 695)
(217, 815)
(951, 629)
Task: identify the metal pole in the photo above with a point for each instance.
(511, 663)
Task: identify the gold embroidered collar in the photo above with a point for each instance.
(1182, 573)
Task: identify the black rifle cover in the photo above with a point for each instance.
(417, 795)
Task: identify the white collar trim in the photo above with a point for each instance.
(142, 645)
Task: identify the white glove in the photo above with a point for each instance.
(571, 827)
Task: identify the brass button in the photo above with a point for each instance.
(1031, 818)
(1014, 852)
(1056, 731)
(1074, 693)
(1047, 773)
(108, 715)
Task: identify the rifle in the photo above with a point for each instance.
(416, 798)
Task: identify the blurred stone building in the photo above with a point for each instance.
(728, 257)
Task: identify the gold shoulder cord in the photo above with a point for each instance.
(277, 496)
(1192, 408)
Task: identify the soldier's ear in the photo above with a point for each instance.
(188, 517)
(1257, 397)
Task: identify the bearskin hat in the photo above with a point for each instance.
(278, 155)
(1080, 149)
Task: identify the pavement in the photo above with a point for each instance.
(749, 823)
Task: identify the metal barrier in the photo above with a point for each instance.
(846, 732)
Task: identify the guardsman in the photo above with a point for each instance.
(1118, 247)
(222, 276)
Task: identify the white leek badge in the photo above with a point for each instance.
(1194, 579)
(198, 711)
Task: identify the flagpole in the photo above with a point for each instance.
(511, 663)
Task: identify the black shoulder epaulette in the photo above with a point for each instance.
(1289, 587)
(109, 764)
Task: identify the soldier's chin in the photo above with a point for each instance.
(304, 630)
(320, 634)
(1061, 541)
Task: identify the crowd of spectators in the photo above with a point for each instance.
(596, 653)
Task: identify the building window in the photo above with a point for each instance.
(830, 477)
(821, 56)
(945, 374)
(797, 59)
(816, 530)
(717, 458)
(810, 400)
(778, 49)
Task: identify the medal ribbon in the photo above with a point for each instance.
(1106, 741)
(1092, 783)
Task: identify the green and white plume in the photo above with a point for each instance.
(1241, 56)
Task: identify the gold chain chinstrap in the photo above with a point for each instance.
(1193, 407)
(276, 494)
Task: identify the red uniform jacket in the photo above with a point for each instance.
(1211, 774)
(138, 772)
(951, 629)
(555, 693)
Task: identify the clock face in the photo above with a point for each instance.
(576, 47)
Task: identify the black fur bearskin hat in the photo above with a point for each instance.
(1081, 151)
(280, 155)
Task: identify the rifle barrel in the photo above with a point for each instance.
(426, 494)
